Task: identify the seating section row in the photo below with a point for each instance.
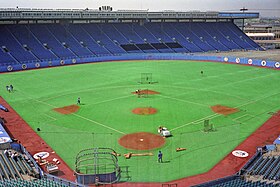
(235, 181)
(30, 183)
(263, 169)
(22, 43)
(14, 165)
(268, 167)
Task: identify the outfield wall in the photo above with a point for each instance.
(156, 56)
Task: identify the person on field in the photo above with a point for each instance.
(160, 156)
(8, 88)
(138, 92)
(79, 101)
(11, 88)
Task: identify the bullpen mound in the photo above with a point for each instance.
(142, 141)
(149, 92)
(144, 111)
(67, 109)
(223, 109)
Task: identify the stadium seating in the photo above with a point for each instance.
(31, 183)
(25, 37)
(96, 32)
(266, 166)
(86, 40)
(235, 180)
(14, 165)
(48, 40)
(22, 43)
(14, 47)
(63, 35)
(263, 169)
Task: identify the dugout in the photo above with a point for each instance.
(97, 166)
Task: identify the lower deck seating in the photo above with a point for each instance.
(15, 165)
(31, 183)
(23, 43)
(235, 181)
(263, 169)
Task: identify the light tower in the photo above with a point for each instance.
(243, 10)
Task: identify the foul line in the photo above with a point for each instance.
(50, 117)
(217, 115)
(86, 90)
(196, 121)
(111, 100)
(236, 119)
(183, 100)
(100, 124)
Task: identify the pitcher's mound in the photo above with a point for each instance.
(223, 109)
(142, 141)
(67, 109)
(144, 111)
(149, 92)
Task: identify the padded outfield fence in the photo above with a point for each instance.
(153, 56)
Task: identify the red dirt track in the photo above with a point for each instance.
(230, 164)
(20, 130)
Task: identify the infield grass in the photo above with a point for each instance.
(183, 103)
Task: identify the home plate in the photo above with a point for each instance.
(141, 140)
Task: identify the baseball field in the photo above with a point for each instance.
(235, 99)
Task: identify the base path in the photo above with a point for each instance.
(20, 130)
(264, 135)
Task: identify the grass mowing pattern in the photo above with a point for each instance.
(185, 98)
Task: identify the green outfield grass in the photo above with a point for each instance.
(184, 101)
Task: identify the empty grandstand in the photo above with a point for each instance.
(26, 42)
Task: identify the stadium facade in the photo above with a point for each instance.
(38, 38)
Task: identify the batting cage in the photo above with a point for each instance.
(97, 166)
(146, 78)
(208, 127)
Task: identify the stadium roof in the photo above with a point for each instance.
(10, 14)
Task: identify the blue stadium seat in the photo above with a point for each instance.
(22, 43)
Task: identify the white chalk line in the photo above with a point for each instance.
(100, 124)
(87, 90)
(211, 117)
(195, 121)
(54, 119)
(186, 101)
(237, 119)
(218, 115)
(108, 100)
